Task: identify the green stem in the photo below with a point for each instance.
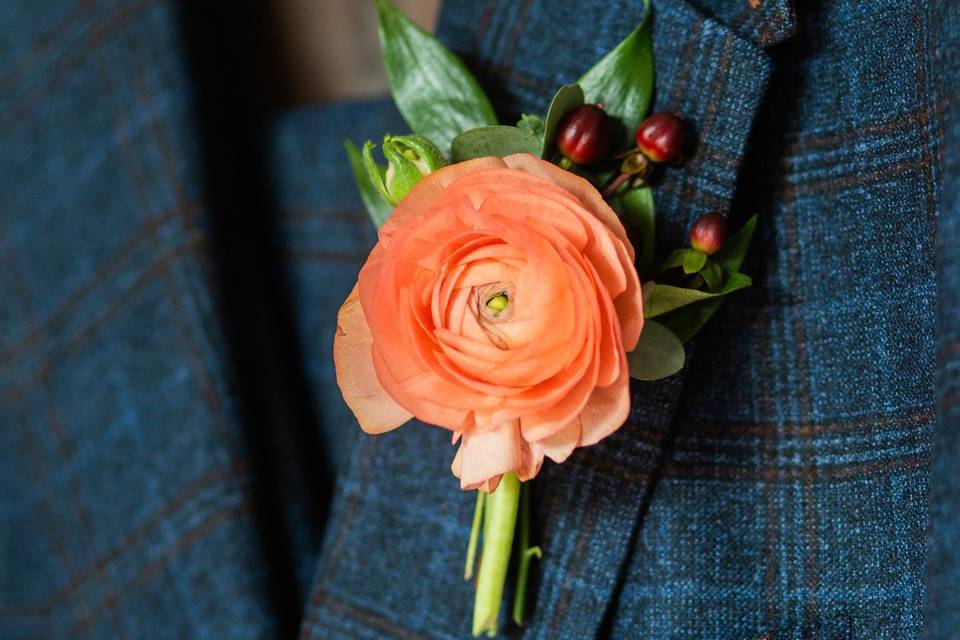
(614, 186)
(499, 522)
(527, 553)
(692, 281)
(474, 535)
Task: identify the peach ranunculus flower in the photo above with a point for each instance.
(499, 302)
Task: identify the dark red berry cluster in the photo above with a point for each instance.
(584, 137)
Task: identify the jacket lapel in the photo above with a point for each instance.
(764, 22)
(394, 548)
(590, 507)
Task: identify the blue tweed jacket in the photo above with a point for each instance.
(175, 459)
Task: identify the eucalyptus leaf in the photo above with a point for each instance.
(636, 206)
(623, 79)
(566, 99)
(378, 208)
(533, 124)
(664, 298)
(499, 141)
(436, 94)
(659, 353)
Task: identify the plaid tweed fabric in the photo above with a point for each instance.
(943, 562)
(126, 502)
(777, 489)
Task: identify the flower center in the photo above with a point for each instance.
(494, 307)
(498, 303)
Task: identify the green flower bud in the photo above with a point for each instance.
(409, 158)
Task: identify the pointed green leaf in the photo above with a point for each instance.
(497, 141)
(675, 259)
(693, 261)
(686, 322)
(433, 90)
(378, 208)
(712, 274)
(731, 256)
(623, 79)
(664, 298)
(567, 98)
(659, 353)
(636, 205)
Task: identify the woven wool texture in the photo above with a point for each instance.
(780, 488)
(125, 508)
(943, 561)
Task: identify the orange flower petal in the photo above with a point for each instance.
(583, 190)
(540, 378)
(375, 410)
(561, 444)
(426, 192)
(488, 453)
(607, 409)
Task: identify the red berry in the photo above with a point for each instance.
(584, 134)
(708, 233)
(661, 137)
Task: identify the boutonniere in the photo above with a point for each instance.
(504, 300)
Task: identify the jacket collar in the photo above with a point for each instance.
(764, 22)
